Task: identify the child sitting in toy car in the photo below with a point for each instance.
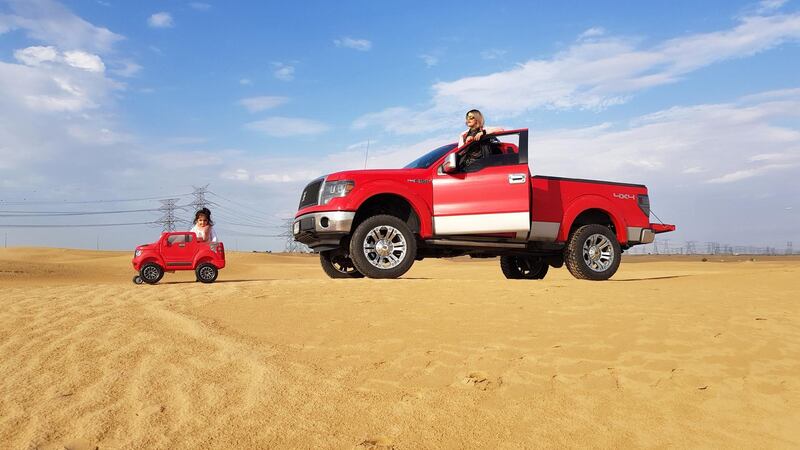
(203, 226)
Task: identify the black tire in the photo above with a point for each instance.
(137, 279)
(518, 267)
(395, 262)
(337, 264)
(151, 273)
(206, 273)
(598, 264)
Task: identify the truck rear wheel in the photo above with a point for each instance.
(592, 253)
(206, 273)
(519, 267)
(383, 247)
(337, 264)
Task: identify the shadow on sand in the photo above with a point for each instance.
(653, 278)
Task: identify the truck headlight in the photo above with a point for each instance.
(137, 253)
(333, 189)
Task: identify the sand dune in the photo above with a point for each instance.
(670, 353)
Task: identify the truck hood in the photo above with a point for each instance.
(376, 174)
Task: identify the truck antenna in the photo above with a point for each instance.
(366, 156)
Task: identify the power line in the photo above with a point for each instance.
(247, 207)
(59, 202)
(68, 213)
(74, 225)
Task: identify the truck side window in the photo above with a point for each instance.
(178, 239)
(488, 152)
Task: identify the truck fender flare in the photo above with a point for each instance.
(587, 202)
(382, 187)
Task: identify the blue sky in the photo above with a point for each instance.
(122, 100)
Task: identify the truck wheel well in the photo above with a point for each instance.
(592, 216)
(391, 204)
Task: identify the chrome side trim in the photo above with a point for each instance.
(647, 236)
(544, 231)
(338, 221)
(481, 223)
(473, 243)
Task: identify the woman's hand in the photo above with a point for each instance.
(479, 136)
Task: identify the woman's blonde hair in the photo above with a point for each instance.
(478, 116)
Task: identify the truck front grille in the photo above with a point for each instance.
(310, 195)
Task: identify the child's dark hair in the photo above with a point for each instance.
(206, 212)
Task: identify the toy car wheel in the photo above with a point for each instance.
(137, 279)
(517, 267)
(151, 273)
(206, 273)
(337, 264)
(383, 247)
(592, 253)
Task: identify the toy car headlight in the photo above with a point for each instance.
(335, 189)
(138, 252)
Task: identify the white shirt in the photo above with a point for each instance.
(201, 236)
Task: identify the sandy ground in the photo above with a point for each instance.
(670, 353)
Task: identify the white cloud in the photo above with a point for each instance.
(604, 71)
(85, 61)
(160, 20)
(715, 143)
(256, 104)
(493, 53)
(288, 126)
(50, 22)
(34, 56)
(200, 6)
(429, 60)
(283, 72)
(592, 32)
(362, 45)
(237, 175)
(767, 6)
(245, 82)
(126, 68)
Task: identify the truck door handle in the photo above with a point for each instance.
(517, 178)
(181, 245)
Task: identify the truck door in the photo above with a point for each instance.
(179, 250)
(490, 191)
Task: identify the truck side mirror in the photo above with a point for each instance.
(450, 163)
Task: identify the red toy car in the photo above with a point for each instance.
(178, 250)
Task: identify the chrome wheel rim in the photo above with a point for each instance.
(385, 247)
(598, 252)
(150, 273)
(206, 273)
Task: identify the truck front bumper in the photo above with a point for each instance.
(322, 230)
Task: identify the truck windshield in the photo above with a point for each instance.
(429, 158)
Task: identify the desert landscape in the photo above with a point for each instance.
(672, 352)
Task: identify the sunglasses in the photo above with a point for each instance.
(470, 117)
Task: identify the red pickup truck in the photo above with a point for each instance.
(478, 200)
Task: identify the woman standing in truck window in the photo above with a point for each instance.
(475, 128)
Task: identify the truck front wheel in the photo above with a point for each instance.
(151, 273)
(337, 264)
(523, 267)
(592, 253)
(383, 247)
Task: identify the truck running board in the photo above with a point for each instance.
(474, 243)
